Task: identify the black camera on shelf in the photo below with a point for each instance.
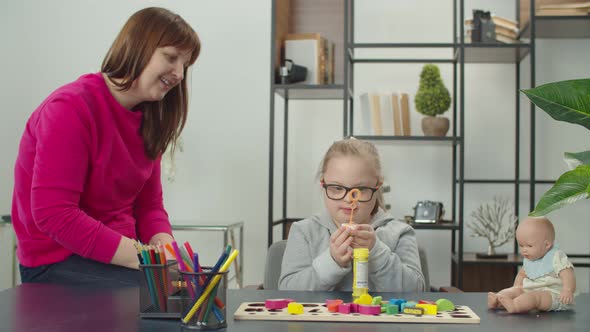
(428, 212)
(484, 28)
(289, 72)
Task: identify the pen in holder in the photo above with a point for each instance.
(211, 314)
(159, 292)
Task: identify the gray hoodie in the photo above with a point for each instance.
(394, 263)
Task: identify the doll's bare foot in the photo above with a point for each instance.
(507, 303)
(492, 300)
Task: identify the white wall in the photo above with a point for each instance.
(222, 174)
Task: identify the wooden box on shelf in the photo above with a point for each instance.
(487, 274)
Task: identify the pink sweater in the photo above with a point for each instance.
(83, 179)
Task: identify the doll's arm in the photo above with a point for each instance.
(568, 278)
(519, 278)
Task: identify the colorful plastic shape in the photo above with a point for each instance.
(295, 308)
(445, 305)
(345, 308)
(429, 309)
(365, 299)
(276, 304)
(369, 309)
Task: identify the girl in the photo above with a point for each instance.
(87, 175)
(319, 250)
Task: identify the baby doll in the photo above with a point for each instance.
(546, 281)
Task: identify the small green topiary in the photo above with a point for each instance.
(432, 98)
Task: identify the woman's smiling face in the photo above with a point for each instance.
(164, 71)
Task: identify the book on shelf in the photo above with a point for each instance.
(498, 36)
(567, 5)
(365, 108)
(498, 39)
(405, 114)
(312, 51)
(376, 120)
(563, 12)
(573, 4)
(506, 23)
(502, 23)
(571, 8)
(332, 61)
(387, 119)
(397, 115)
(506, 40)
(385, 114)
(329, 66)
(370, 114)
(500, 30)
(507, 29)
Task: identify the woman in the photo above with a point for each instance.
(87, 175)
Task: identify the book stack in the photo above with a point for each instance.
(385, 114)
(565, 9)
(506, 30)
(315, 53)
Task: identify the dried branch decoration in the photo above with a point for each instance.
(495, 221)
(168, 162)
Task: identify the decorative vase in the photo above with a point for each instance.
(435, 126)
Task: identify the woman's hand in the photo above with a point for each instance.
(163, 239)
(364, 236)
(340, 242)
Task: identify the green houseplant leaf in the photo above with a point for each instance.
(571, 187)
(567, 101)
(574, 160)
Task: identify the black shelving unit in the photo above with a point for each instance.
(461, 53)
(484, 53)
(290, 92)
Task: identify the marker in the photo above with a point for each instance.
(210, 287)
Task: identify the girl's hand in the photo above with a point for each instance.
(566, 296)
(340, 246)
(364, 236)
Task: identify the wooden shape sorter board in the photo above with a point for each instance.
(319, 313)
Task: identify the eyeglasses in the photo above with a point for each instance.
(337, 192)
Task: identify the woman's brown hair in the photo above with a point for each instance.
(361, 149)
(144, 32)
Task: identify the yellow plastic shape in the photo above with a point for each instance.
(295, 308)
(365, 299)
(429, 309)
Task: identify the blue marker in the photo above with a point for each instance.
(218, 314)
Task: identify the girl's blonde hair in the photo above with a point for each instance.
(361, 149)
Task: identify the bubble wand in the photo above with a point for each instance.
(353, 196)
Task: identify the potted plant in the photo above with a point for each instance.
(567, 101)
(432, 99)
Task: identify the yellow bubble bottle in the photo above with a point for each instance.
(360, 272)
